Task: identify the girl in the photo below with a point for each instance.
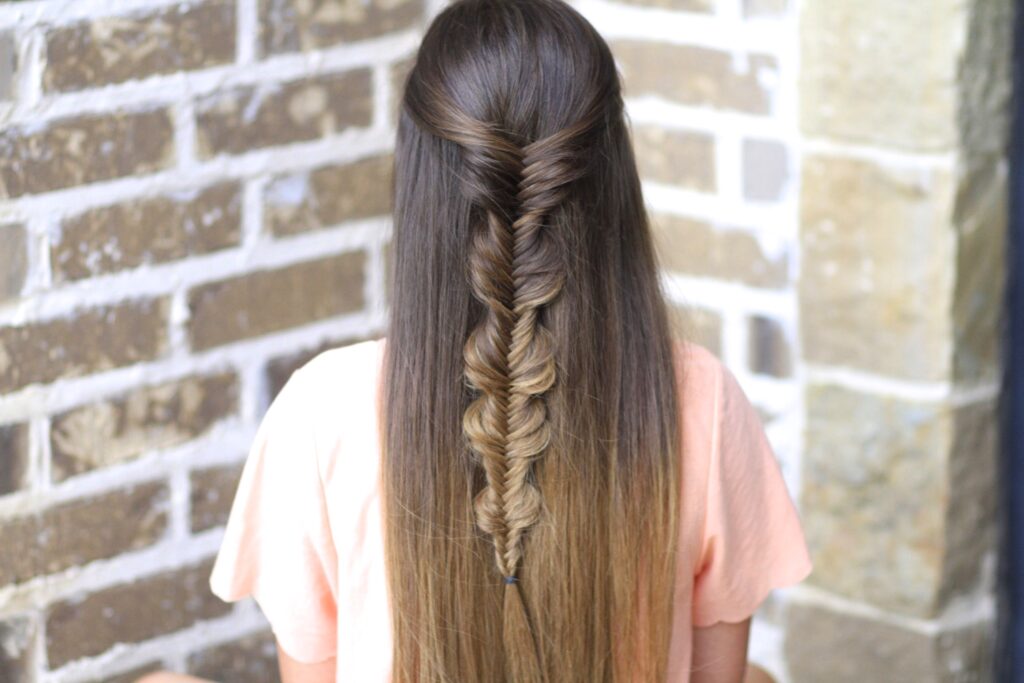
(529, 478)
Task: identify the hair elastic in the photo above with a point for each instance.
(511, 579)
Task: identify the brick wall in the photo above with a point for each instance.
(192, 204)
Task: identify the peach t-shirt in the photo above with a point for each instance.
(304, 536)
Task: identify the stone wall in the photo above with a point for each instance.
(193, 203)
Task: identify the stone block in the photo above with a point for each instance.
(8, 64)
(14, 457)
(676, 157)
(213, 490)
(246, 660)
(769, 351)
(17, 649)
(292, 25)
(13, 261)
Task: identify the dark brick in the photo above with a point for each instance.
(252, 659)
(769, 349)
(698, 76)
(13, 457)
(116, 49)
(151, 230)
(119, 429)
(272, 300)
(8, 64)
(130, 676)
(213, 490)
(252, 117)
(83, 150)
(329, 195)
(17, 650)
(292, 25)
(676, 157)
(76, 533)
(280, 369)
(85, 626)
(90, 340)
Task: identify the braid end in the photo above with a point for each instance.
(523, 665)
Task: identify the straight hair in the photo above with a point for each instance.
(531, 448)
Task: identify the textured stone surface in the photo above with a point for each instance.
(13, 260)
(85, 626)
(14, 456)
(877, 248)
(121, 428)
(78, 532)
(769, 351)
(130, 676)
(696, 248)
(252, 117)
(879, 72)
(83, 150)
(765, 170)
(896, 489)
(676, 157)
(8, 64)
(143, 231)
(700, 325)
(699, 76)
(270, 300)
(981, 217)
(213, 490)
(290, 25)
(116, 49)
(329, 195)
(823, 645)
(89, 340)
(252, 659)
(17, 650)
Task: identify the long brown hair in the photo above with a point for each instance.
(531, 450)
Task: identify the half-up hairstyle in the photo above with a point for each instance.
(531, 448)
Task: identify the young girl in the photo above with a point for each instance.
(528, 479)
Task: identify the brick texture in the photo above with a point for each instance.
(17, 655)
(113, 50)
(84, 150)
(250, 118)
(272, 300)
(329, 195)
(674, 157)
(122, 428)
(13, 260)
(130, 613)
(87, 341)
(290, 25)
(153, 230)
(78, 532)
(213, 489)
(14, 456)
(252, 659)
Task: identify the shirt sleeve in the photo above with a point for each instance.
(752, 536)
(277, 545)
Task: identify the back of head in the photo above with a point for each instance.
(530, 458)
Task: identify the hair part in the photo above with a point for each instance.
(531, 448)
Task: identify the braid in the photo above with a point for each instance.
(515, 269)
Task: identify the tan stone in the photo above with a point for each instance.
(271, 300)
(695, 75)
(879, 72)
(76, 533)
(8, 64)
(213, 490)
(251, 117)
(13, 260)
(144, 231)
(769, 351)
(876, 277)
(838, 647)
(696, 248)
(83, 150)
(882, 479)
(122, 428)
(327, 196)
(86, 626)
(252, 658)
(87, 341)
(14, 454)
(121, 48)
(676, 157)
(292, 25)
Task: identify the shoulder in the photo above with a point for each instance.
(699, 374)
(334, 377)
